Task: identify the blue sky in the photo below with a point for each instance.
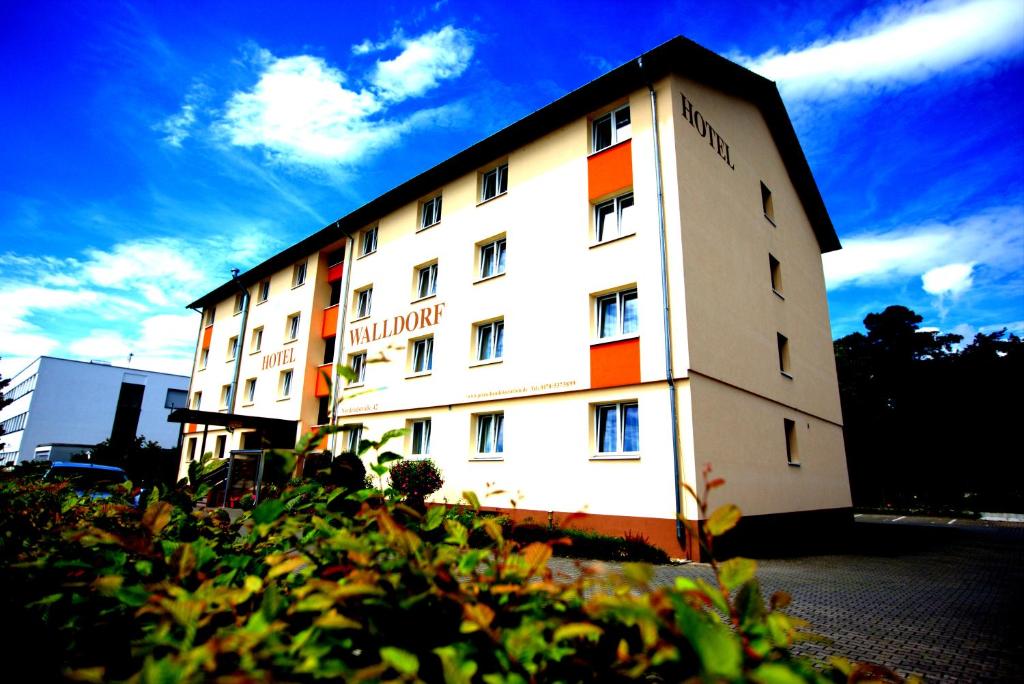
(147, 148)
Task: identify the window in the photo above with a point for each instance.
(336, 257)
(257, 340)
(204, 356)
(250, 390)
(264, 294)
(285, 384)
(492, 258)
(368, 242)
(783, 354)
(766, 203)
(222, 445)
(426, 281)
(423, 355)
(329, 344)
(613, 127)
(323, 411)
(196, 398)
(335, 295)
(614, 218)
(291, 331)
(618, 428)
(776, 274)
(225, 396)
(431, 212)
(298, 274)
(617, 314)
(364, 300)
(192, 448)
(494, 182)
(490, 433)
(239, 299)
(420, 437)
(211, 313)
(233, 348)
(14, 423)
(354, 435)
(357, 362)
(792, 454)
(490, 340)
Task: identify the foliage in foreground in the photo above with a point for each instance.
(303, 588)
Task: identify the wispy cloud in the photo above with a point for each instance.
(303, 111)
(908, 43)
(178, 127)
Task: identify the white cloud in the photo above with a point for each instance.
(303, 111)
(423, 63)
(178, 127)
(949, 279)
(909, 43)
(994, 238)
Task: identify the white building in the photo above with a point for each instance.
(61, 406)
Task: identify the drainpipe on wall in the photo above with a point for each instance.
(669, 370)
(339, 340)
(233, 392)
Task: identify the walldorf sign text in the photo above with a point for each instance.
(426, 317)
(703, 126)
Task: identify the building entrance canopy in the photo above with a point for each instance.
(274, 431)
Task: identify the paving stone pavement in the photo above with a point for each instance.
(940, 602)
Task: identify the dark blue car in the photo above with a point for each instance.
(89, 479)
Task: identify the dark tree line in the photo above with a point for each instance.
(928, 426)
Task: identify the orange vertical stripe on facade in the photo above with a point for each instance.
(207, 334)
(323, 387)
(335, 272)
(330, 325)
(615, 363)
(610, 170)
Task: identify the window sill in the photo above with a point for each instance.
(422, 374)
(292, 341)
(793, 465)
(254, 352)
(236, 313)
(624, 456)
(486, 278)
(359, 318)
(486, 362)
(354, 385)
(778, 294)
(423, 228)
(614, 239)
(486, 458)
(297, 286)
(283, 398)
(770, 220)
(366, 254)
(200, 369)
(262, 301)
(248, 404)
(614, 338)
(491, 199)
(610, 147)
(229, 361)
(422, 299)
(786, 374)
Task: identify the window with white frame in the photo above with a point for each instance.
(291, 330)
(612, 128)
(492, 258)
(196, 399)
(250, 390)
(494, 182)
(614, 218)
(357, 362)
(220, 450)
(617, 428)
(257, 340)
(419, 437)
(232, 348)
(422, 359)
(364, 301)
(490, 340)
(225, 395)
(617, 314)
(284, 386)
(426, 281)
(264, 293)
(430, 212)
(204, 357)
(211, 314)
(368, 243)
(490, 434)
(298, 274)
(239, 300)
(353, 435)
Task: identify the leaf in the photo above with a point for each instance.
(537, 555)
(388, 457)
(107, 584)
(714, 484)
(287, 566)
(736, 572)
(576, 630)
(780, 600)
(722, 520)
(268, 511)
(638, 573)
(334, 620)
(455, 669)
(253, 583)
(472, 500)
(157, 516)
(478, 614)
(133, 596)
(403, 661)
(389, 435)
(717, 647)
(776, 673)
(435, 516)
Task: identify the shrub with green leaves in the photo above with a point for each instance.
(417, 479)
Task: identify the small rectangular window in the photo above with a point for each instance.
(204, 357)
(617, 314)
(239, 299)
(614, 218)
(357, 362)
(292, 327)
(329, 343)
(257, 340)
(766, 203)
(490, 340)
(250, 390)
(284, 388)
(617, 428)
(335, 295)
(364, 301)
(298, 274)
(494, 182)
(490, 433)
(192, 448)
(430, 212)
(783, 343)
(354, 435)
(222, 446)
(419, 431)
(368, 243)
(776, 274)
(422, 360)
(426, 281)
(196, 399)
(492, 258)
(323, 412)
(792, 453)
(612, 128)
(225, 395)
(211, 313)
(264, 291)
(232, 348)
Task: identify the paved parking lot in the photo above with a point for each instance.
(922, 596)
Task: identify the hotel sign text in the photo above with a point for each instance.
(706, 130)
(426, 317)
